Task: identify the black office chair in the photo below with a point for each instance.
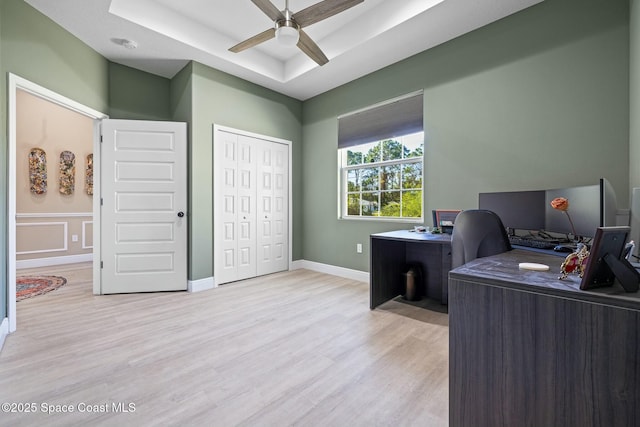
(477, 233)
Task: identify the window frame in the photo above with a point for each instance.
(343, 193)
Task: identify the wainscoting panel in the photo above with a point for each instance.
(48, 235)
(87, 234)
(41, 237)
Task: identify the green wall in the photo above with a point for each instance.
(537, 100)
(181, 110)
(136, 95)
(222, 99)
(37, 49)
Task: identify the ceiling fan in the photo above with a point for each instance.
(288, 26)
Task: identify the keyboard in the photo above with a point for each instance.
(532, 243)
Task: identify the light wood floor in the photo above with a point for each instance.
(295, 348)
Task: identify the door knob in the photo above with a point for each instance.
(180, 214)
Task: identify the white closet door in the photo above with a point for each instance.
(237, 205)
(273, 209)
(251, 206)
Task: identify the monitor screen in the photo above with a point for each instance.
(520, 210)
(584, 208)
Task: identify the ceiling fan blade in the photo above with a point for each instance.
(323, 10)
(311, 49)
(269, 9)
(255, 40)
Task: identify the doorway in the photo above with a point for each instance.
(18, 85)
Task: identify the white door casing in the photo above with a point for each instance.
(248, 205)
(16, 83)
(143, 211)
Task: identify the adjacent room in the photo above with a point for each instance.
(255, 212)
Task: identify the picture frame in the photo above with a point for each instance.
(444, 217)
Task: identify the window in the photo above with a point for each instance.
(380, 173)
(383, 179)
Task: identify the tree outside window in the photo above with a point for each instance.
(384, 179)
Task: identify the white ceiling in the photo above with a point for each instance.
(358, 41)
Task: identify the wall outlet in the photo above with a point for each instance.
(74, 237)
(359, 248)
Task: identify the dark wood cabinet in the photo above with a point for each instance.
(392, 254)
(527, 349)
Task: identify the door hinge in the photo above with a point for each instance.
(101, 138)
(101, 264)
(101, 201)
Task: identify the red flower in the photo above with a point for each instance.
(562, 204)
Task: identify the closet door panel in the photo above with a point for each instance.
(273, 211)
(226, 269)
(247, 207)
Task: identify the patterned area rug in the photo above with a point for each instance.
(31, 286)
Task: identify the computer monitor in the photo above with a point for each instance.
(590, 207)
(608, 204)
(584, 209)
(607, 261)
(518, 210)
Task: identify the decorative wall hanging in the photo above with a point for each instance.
(88, 175)
(67, 172)
(38, 171)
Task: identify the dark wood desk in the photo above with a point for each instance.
(393, 252)
(526, 349)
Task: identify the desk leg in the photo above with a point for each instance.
(446, 267)
(386, 280)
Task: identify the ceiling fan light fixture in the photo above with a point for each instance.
(287, 30)
(287, 33)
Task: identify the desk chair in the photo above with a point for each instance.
(477, 233)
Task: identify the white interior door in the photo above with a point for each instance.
(144, 200)
(251, 205)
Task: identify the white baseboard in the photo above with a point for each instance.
(347, 273)
(4, 331)
(201, 285)
(361, 276)
(57, 260)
